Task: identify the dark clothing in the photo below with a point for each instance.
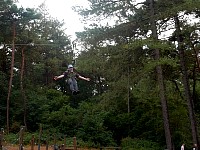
(68, 74)
(71, 80)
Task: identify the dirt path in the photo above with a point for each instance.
(26, 148)
(41, 148)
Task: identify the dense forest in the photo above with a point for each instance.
(144, 92)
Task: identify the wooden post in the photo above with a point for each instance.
(21, 137)
(40, 134)
(47, 145)
(63, 146)
(32, 142)
(47, 141)
(1, 139)
(74, 141)
(64, 142)
(54, 143)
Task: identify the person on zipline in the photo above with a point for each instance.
(71, 76)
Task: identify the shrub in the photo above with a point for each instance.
(138, 144)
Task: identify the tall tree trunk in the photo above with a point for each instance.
(194, 86)
(22, 85)
(11, 77)
(177, 89)
(161, 82)
(186, 83)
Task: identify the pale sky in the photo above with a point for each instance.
(61, 9)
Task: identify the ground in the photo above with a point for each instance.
(41, 148)
(26, 148)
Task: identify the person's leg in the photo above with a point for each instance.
(71, 85)
(75, 85)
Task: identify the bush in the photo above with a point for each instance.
(14, 138)
(138, 144)
(11, 138)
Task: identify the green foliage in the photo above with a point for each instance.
(122, 99)
(14, 138)
(92, 129)
(139, 144)
(11, 138)
(127, 69)
(3, 94)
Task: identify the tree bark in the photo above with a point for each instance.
(186, 83)
(22, 85)
(161, 82)
(11, 77)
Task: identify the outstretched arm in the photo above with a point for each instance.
(58, 77)
(83, 78)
